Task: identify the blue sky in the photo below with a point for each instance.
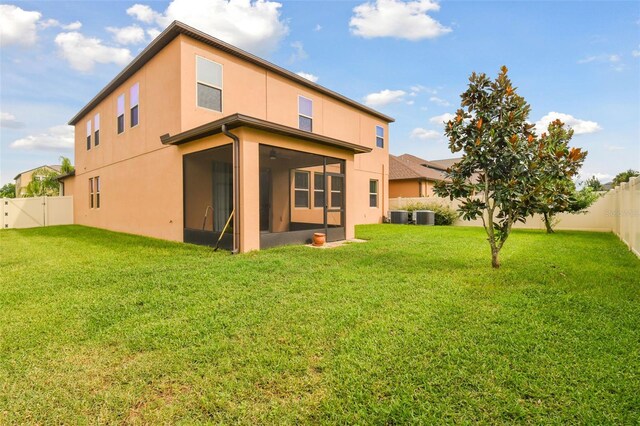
(579, 61)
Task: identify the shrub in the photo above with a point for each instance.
(443, 215)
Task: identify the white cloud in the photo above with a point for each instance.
(579, 126)
(318, 27)
(47, 23)
(636, 53)
(254, 26)
(298, 52)
(9, 121)
(132, 34)
(144, 13)
(18, 26)
(613, 59)
(83, 53)
(399, 19)
(420, 133)
(384, 97)
(153, 32)
(602, 177)
(311, 77)
(74, 26)
(411, 102)
(439, 101)
(54, 139)
(614, 147)
(53, 23)
(442, 118)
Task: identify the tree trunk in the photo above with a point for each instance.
(547, 223)
(494, 257)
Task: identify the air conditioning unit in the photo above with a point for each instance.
(399, 216)
(424, 217)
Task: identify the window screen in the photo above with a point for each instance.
(380, 136)
(336, 191)
(373, 193)
(89, 135)
(120, 114)
(318, 190)
(301, 189)
(209, 84)
(305, 114)
(135, 95)
(96, 130)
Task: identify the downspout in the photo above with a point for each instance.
(236, 188)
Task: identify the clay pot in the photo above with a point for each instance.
(319, 239)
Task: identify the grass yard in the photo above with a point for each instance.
(413, 326)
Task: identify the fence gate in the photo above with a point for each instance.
(36, 211)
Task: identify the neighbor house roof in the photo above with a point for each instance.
(176, 28)
(55, 167)
(239, 120)
(417, 160)
(401, 168)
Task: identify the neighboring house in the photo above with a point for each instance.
(411, 176)
(195, 129)
(23, 179)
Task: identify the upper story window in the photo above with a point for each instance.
(301, 189)
(305, 114)
(133, 100)
(96, 129)
(120, 115)
(209, 84)
(380, 136)
(88, 135)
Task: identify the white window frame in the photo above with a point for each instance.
(88, 138)
(124, 115)
(210, 85)
(338, 191)
(136, 105)
(381, 137)
(308, 189)
(324, 180)
(304, 115)
(374, 193)
(96, 130)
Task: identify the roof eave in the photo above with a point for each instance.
(239, 120)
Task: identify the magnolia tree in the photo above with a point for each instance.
(559, 164)
(504, 166)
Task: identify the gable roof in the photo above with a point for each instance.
(239, 120)
(401, 168)
(176, 28)
(55, 167)
(422, 162)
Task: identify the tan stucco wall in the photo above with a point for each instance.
(141, 179)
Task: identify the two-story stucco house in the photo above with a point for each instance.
(195, 129)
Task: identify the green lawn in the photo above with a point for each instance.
(411, 327)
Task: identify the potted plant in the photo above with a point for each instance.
(319, 239)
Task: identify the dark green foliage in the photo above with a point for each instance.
(506, 171)
(407, 328)
(594, 184)
(444, 215)
(8, 191)
(624, 177)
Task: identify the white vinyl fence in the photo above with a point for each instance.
(617, 211)
(36, 211)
